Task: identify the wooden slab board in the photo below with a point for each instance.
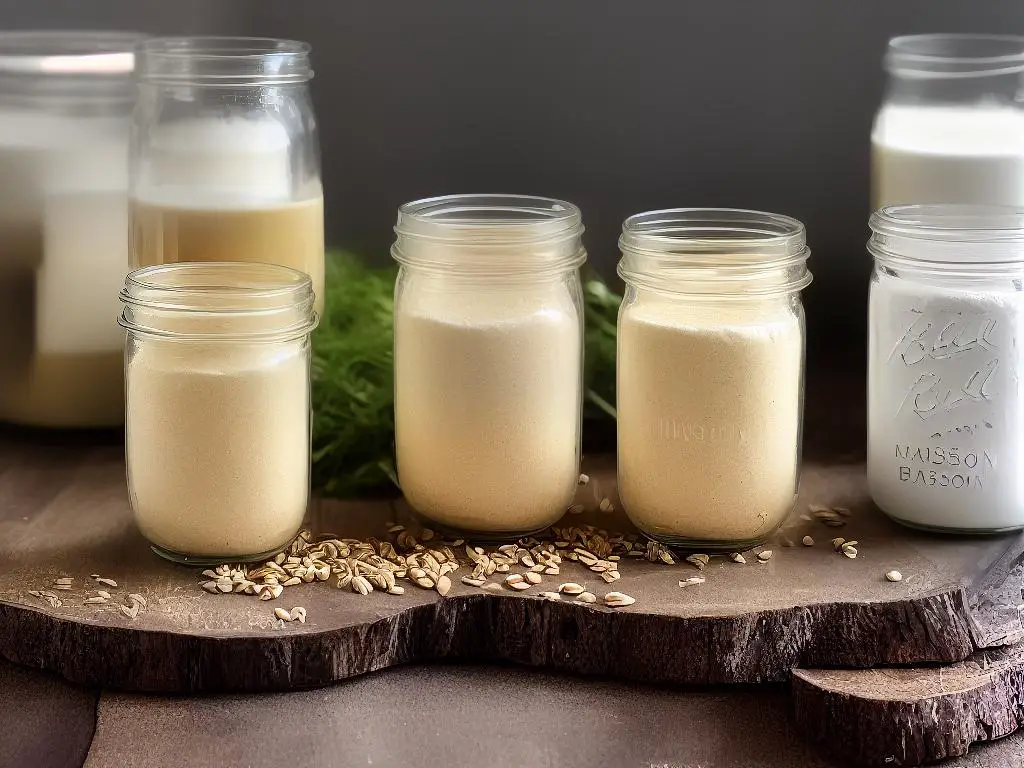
(912, 716)
(64, 513)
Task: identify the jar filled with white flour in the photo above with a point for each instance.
(66, 101)
(710, 374)
(225, 162)
(945, 403)
(951, 127)
(217, 435)
(488, 360)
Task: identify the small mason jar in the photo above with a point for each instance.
(65, 113)
(710, 374)
(945, 404)
(951, 126)
(488, 361)
(225, 164)
(217, 433)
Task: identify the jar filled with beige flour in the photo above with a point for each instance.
(225, 163)
(488, 360)
(66, 102)
(217, 434)
(710, 374)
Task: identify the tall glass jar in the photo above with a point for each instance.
(225, 159)
(488, 360)
(710, 374)
(65, 112)
(951, 127)
(945, 403)
(217, 434)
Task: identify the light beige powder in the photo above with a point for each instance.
(487, 388)
(218, 445)
(709, 401)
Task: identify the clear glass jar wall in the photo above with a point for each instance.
(217, 434)
(951, 126)
(65, 113)
(488, 360)
(945, 407)
(710, 374)
(225, 157)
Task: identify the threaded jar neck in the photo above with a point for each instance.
(949, 56)
(719, 253)
(219, 301)
(489, 235)
(223, 61)
(87, 67)
(971, 242)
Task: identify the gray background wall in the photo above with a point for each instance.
(617, 105)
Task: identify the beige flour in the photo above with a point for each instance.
(487, 388)
(709, 403)
(218, 445)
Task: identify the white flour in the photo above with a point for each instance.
(487, 403)
(709, 409)
(945, 416)
(948, 155)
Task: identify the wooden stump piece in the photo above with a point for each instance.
(912, 716)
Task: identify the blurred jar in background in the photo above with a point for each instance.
(65, 113)
(951, 126)
(225, 164)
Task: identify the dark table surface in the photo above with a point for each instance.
(456, 717)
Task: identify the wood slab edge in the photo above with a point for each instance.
(626, 644)
(914, 716)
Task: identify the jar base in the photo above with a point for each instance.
(207, 560)
(707, 545)
(484, 537)
(954, 531)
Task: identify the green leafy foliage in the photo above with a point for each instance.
(353, 375)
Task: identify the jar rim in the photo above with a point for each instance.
(466, 234)
(231, 289)
(519, 217)
(92, 53)
(949, 237)
(715, 252)
(944, 55)
(951, 222)
(692, 231)
(224, 61)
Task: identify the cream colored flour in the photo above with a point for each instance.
(218, 445)
(487, 405)
(709, 406)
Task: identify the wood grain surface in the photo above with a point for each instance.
(64, 513)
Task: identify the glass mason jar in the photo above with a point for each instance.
(488, 361)
(65, 113)
(945, 405)
(951, 126)
(217, 433)
(710, 374)
(225, 164)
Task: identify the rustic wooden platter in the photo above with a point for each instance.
(64, 513)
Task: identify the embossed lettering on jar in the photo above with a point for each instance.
(945, 415)
(710, 374)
